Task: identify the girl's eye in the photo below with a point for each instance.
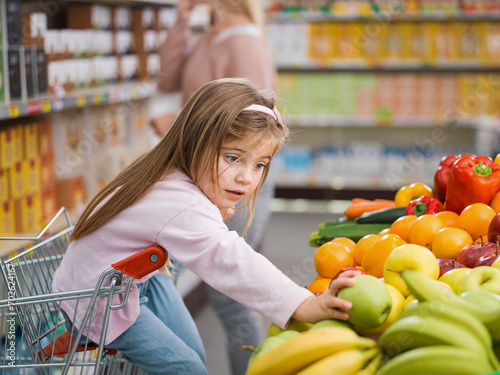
(232, 159)
(260, 166)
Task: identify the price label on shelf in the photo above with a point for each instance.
(58, 105)
(13, 111)
(80, 101)
(34, 108)
(46, 106)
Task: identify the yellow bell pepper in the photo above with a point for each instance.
(407, 193)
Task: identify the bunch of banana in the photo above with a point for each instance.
(310, 347)
(425, 288)
(440, 334)
(436, 360)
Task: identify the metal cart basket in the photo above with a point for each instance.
(33, 334)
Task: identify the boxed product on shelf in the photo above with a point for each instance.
(88, 16)
(31, 170)
(469, 43)
(29, 71)
(12, 14)
(7, 219)
(47, 170)
(143, 19)
(121, 18)
(17, 180)
(28, 214)
(419, 39)
(34, 27)
(49, 202)
(71, 192)
(14, 72)
(123, 42)
(128, 66)
(165, 17)
(30, 140)
(491, 46)
(4, 185)
(10, 147)
(445, 49)
(45, 136)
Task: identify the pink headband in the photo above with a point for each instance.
(260, 108)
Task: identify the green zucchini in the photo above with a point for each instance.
(341, 221)
(385, 215)
(353, 231)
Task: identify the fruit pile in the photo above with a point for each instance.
(428, 296)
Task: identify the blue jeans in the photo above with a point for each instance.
(164, 338)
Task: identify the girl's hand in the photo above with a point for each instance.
(227, 213)
(327, 305)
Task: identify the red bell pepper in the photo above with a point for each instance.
(424, 205)
(442, 175)
(473, 179)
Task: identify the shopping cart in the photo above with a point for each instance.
(34, 338)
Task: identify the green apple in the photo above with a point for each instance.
(496, 264)
(409, 256)
(398, 306)
(332, 323)
(293, 325)
(489, 301)
(453, 277)
(371, 301)
(270, 343)
(483, 278)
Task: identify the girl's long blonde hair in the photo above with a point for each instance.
(250, 8)
(212, 116)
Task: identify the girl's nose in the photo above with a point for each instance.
(244, 175)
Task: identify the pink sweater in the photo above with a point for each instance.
(237, 52)
(179, 217)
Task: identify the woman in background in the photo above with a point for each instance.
(233, 47)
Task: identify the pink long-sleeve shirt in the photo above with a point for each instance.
(236, 52)
(176, 215)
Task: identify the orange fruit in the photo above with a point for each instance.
(332, 257)
(495, 202)
(401, 226)
(385, 231)
(319, 285)
(450, 218)
(448, 242)
(375, 257)
(346, 241)
(475, 219)
(423, 229)
(362, 245)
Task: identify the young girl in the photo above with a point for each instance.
(216, 154)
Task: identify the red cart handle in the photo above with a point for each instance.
(143, 263)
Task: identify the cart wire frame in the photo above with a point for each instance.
(33, 330)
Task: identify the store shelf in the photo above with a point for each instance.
(315, 121)
(280, 17)
(78, 99)
(392, 68)
(127, 2)
(329, 194)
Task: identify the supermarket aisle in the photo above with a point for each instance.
(285, 244)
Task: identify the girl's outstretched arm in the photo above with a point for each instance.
(327, 305)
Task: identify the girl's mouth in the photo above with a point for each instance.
(235, 194)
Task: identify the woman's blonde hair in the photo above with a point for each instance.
(212, 116)
(250, 8)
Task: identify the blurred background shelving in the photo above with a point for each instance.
(375, 94)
